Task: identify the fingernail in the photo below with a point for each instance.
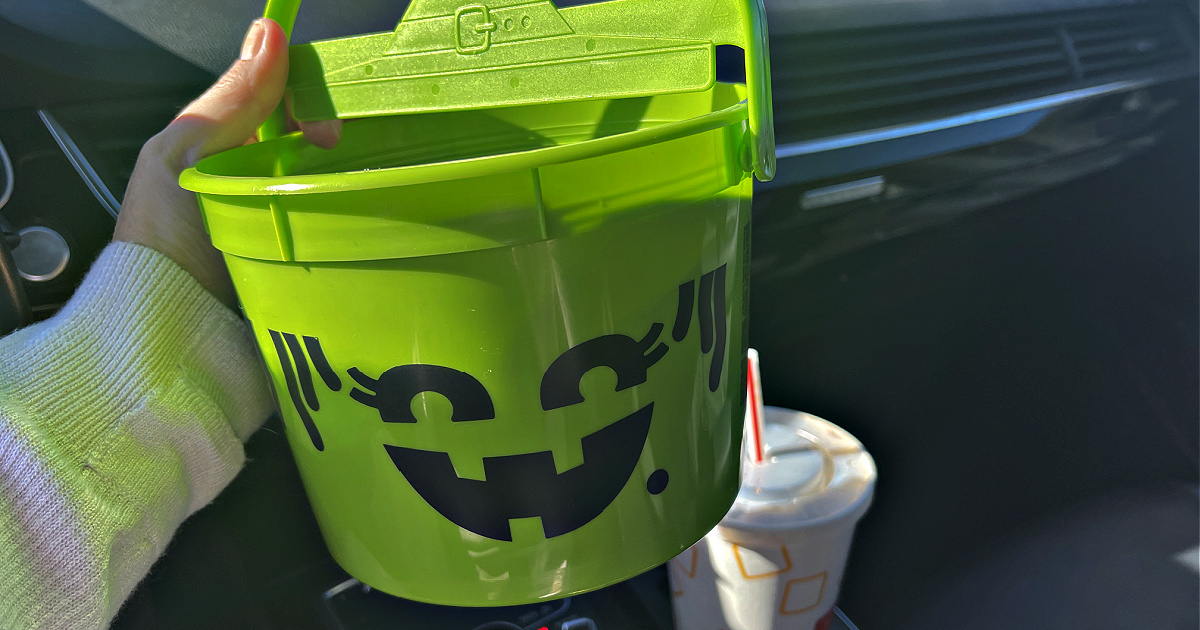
(254, 40)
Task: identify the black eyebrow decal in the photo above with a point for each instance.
(683, 313)
(289, 377)
(317, 354)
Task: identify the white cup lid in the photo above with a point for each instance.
(814, 473)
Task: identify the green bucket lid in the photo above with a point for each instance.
(450, 55)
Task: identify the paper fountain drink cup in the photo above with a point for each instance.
(776, 560)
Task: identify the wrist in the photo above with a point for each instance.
(199, 259)
(158, 214)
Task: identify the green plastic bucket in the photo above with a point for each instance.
(508, 343)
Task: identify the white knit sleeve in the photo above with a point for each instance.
(119, 417)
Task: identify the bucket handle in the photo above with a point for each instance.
(759, 106)
(740, 23)
(283, 12)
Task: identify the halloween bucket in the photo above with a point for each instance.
(505, 317)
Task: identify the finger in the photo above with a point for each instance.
(323, 133)
(229, 112)
(291, 125)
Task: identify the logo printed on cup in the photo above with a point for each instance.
(776, 561)
(800, 590)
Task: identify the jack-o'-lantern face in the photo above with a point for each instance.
(527, 484)
(524, 485)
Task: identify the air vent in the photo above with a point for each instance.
(1128, 40)
(828, 83)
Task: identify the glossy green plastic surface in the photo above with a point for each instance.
(456, 54)
(426, 184)
(515, 503)
(508, 343)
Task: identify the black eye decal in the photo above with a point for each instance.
(393, 392)
(625, 356)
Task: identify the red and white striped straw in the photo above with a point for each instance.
(754, 408)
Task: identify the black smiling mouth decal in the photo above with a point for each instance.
(527, 484)
(520, 486)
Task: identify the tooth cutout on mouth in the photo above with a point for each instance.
(468, 467)
(527, 529)
(527, 485)
(567, 455)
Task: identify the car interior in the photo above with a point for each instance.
(978, 256)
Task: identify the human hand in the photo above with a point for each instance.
(157, 213)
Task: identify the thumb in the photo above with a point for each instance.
(227, 114)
